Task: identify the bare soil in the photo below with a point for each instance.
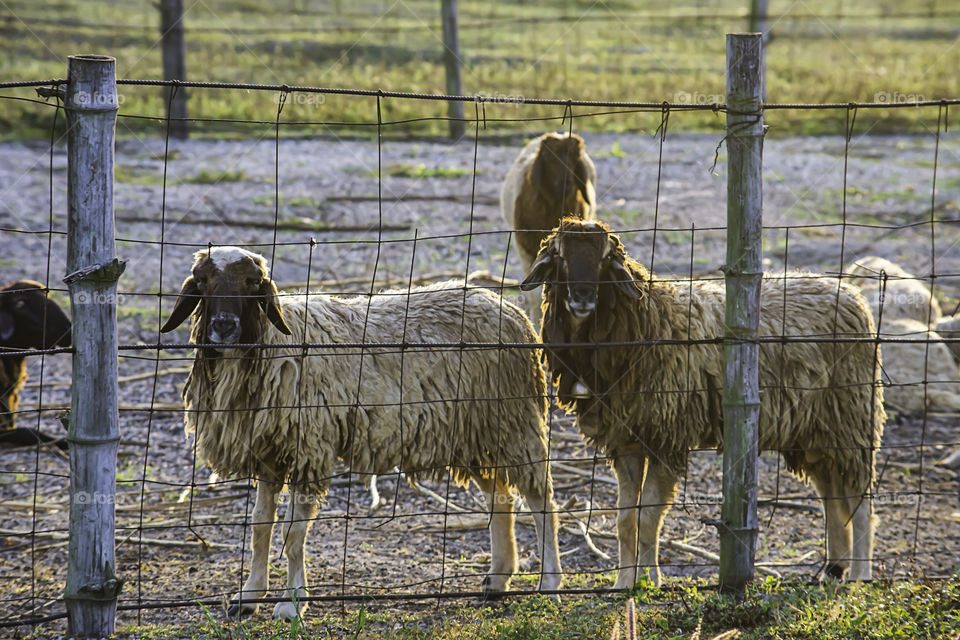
(181, 538)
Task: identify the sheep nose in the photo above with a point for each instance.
(223, 327)
(582, 300)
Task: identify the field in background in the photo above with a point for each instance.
(822, 51)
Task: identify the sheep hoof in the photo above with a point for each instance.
(490, 592)
(286, 611)
(580, 390)
(236, 610)
(834, 570)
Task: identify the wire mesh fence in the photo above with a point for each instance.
(363, 216)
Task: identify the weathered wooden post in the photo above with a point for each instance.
(741, 393)
(451, 60)
(174, 55)
(92, 273)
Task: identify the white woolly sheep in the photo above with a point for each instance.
(645, 406)
(904, 295)
(478, 413)
(553, 176)
(906, 365)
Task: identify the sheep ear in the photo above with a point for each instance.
(580, 177)
(623, 280)
(268, 301)
(6, 325)
(187, 301)
(540, 271)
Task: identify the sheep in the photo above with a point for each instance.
(281, 415)
(28, 320)
(949, 327)
(908, 364)
(904, 295)
(645, 406)
(552, 176)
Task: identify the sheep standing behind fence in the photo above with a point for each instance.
(553, 176)
(478, 413)
(647, 405)
(29, 319)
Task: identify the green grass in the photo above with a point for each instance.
(614, 50)
(772, 608)
(404, 170)
(215, 177)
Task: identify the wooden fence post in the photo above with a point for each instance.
(451, 60)
(91, 108)
(174, 65)
(743, 270)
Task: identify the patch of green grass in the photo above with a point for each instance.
(771, 608)
(215, 177)
(624, 50)
(404, 170)
(131, 175)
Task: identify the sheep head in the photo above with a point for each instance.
(582, 262)
(228, 287)
(559, 170)
(29, 319)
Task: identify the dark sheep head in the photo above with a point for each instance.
(559, 169)
(29, 319)
(582, 263)
(229, 288)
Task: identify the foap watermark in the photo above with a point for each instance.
(501, 98)
(300, 98)
(97, 100)
(97, 297)
(895, 97)
(697, 98)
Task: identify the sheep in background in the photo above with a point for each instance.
(905, 295)
(552, 177)
(647, 405)
(906, 365)
(478, 413)
(28, 320)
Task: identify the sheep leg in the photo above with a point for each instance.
(629, 469)
(862, 521)
(302, 511)
(264, 515)
(659, 492)
(503, 543)
(545, 519)
(837, 514)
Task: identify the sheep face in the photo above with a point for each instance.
(560, 169)
(28, 319)
(575, 261)
(229, 287)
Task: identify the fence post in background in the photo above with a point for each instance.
(743, 270)
(92, 272)
(174, 65)
(759, 24)
(451, 60)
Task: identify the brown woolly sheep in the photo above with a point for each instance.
(28, 320)
(646, 405)
(552, 177)
(283, 415)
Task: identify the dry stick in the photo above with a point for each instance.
(289, 225)
(130, 378)
(478, 278)
(56, 535)
(583, 473)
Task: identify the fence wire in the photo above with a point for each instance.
(332, 218)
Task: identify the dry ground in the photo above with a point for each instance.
(224, 193)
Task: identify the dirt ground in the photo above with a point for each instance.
(180, 538)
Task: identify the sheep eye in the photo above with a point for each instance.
(253, 282)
